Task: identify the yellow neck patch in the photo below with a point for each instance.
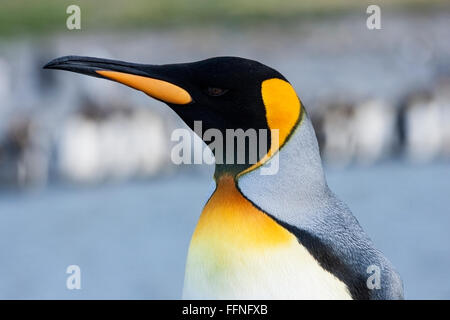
(229, 220)
(283, 109)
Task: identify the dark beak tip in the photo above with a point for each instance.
(49, 65)
(90, 65)
(53, 64)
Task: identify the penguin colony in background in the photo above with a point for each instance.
(281, 236)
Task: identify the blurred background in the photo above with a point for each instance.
(85, 170)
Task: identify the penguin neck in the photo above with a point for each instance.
(300, 172)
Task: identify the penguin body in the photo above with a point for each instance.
(239, 252)
(320, 221)
(282, 235)
(319, 251)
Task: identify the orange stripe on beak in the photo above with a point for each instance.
(158, 89)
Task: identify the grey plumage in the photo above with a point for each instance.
(298, 198)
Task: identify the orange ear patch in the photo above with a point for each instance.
(282, 106)
(282, 113)
(155, 88)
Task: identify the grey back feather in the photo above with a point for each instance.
(298, 197)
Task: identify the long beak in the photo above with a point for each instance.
(146, 78)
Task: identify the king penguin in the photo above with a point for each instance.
(260, 236)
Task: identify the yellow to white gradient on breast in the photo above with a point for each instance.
(239, 252)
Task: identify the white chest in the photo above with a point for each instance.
(278, 273)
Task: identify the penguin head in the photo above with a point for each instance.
(222, 93)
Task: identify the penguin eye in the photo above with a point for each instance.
(215, 92)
